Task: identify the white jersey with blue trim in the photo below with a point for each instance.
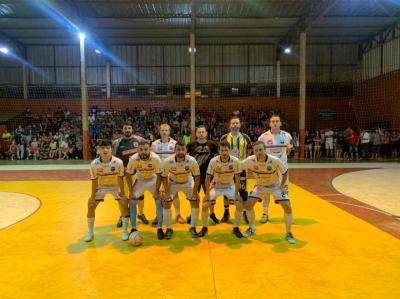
(163, 149)
(277, 144)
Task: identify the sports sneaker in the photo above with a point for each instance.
(154, 222)
(225, 218)
(264, 218)
(214, 218)
(168, 233)
(180, 220)
(119, 223)
(193, 232)
(203, 232)
(89, 237)
(125, 235)
(245, 217)
(290, 238)
(249, 232)
(237, 232)
(143, 219)
(160, 234)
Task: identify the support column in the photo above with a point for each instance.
(278, 78)
(84, 100)
(302, 102)
(193, 73)
(108, 79)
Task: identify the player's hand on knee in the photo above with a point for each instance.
(238, 197)
(195, 195)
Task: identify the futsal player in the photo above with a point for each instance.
(123, 148)
(146, 166)
(271, 175)
(165, 147)
(240, 145)
(278, 143)
(107, 175)
(177, 176)
(225, 170)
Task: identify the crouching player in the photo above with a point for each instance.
(271, 175)
(177, 175)
(146, 167)
(225, 170)
(107, 175)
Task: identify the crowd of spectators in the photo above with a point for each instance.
(58, 134)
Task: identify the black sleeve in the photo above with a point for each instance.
(214, 148)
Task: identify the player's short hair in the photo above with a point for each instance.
(235, 117)
(180, 143)
(104, 142)
(164, 125)
(202, 127)
(258, 143)
(127, 124)
(224, 143)
(143, 142)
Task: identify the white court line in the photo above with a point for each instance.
(366, 208)
(330, 194)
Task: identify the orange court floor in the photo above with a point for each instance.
(43, 255)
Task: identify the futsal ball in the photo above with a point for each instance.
(135, 239)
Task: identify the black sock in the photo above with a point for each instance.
(226, 208)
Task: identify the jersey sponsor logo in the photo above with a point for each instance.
(270, 142)
(150, 165)
(135, 144)
(231, 167)
(113, 168)
(255, 167)
(269, 167)
(173, 168)
(187, 167)
(171, 148)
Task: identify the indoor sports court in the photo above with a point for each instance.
(88, 83)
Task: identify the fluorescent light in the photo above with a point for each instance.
(81, 35)
(97, 51)
(4, 50)
(190, 50)
(288, 50)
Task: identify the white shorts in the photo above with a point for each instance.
(102, 191)
(186, 188)
(228, 192)
(261, 192)
(329, 144)
(141, 186)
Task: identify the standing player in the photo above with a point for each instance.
(123, 148)
(271, 175)
(203, 151)
(225, 170)
(177, 175)
(146, 167)
(165, 147)
(278, 143)
(107, 175)
(240, 145)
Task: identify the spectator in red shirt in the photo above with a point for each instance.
(353, 139)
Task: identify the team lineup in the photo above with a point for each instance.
(166, 167)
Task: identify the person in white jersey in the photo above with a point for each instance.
(177, 176)
(146, 166)
(107, 175)
(165, 147)
(271, 175)
(279, 144)
(225, 170)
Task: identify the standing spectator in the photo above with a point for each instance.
(13, 150)
(353, 140)
(309, 141)
(386, 145)
(376, 139)
(21, 149)
(317, 145)
(53, 149)
(340, 141)
(365, 144)
(394, 141)
(329, 142)
(296, 144)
